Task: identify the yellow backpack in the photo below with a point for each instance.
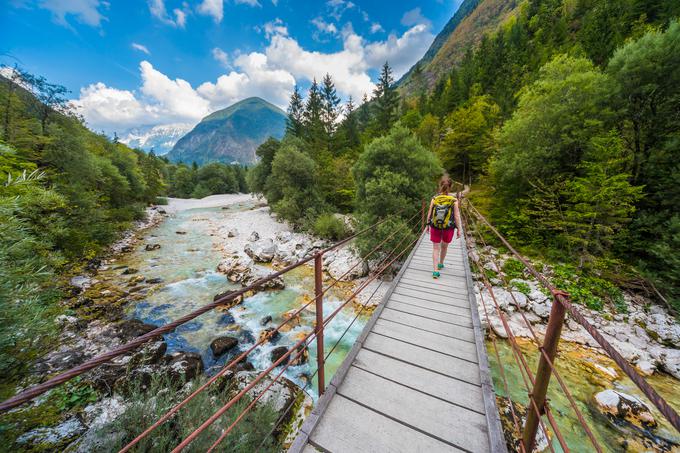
(442, 211)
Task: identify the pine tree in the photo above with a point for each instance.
(330, 105)
(364, 114)
(315, 132)
(295, 120)
(350, 126)
(386, 101)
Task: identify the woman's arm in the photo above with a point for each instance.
(429, 212)
(456, 216)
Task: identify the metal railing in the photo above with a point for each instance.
(537, 384)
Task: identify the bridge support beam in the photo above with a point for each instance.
(318, 292)
(552, 338)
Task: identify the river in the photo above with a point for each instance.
(187, 264)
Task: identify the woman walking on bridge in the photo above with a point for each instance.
(443, 219)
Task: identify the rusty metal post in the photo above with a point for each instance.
(552, 338)
(318, 292)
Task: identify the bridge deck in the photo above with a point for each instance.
(417, 378)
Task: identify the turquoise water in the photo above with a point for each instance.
(187, 264)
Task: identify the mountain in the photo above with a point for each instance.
(232, 134)
(465, 30)
(160, 139)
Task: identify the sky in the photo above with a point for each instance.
(161, 62)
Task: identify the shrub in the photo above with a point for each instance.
(330, 227)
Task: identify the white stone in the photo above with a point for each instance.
(342, 261)
(262, 251)
(670, 362)
(53, 435)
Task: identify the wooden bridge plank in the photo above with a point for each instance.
(347, 425)
(452, 346)
(431, 305)
(453, 318)
(438, 361)
(459, 300)
(430, 325)
(418, 410)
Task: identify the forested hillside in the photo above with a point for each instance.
(564, 117)
(65, 194)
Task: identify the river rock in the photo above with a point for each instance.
(279, 352)
(222, 344)
(232, 233)
(254, 236)
(670, 362)
(283, 237)
(269, 334)
(151, 247)
(235, 267)
(155, 280)
(184, 366)
(338, 262)
(256, 274)
(81, 282)
(664, 328)
(181, 232)
(542, 309)
(53, 438)
(262, 250)
(132, 328)
(130, 271)
(266, 320)
(280, 395)
(621, 406)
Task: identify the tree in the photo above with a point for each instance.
(364, 114)
(292, 186)
(313, 117)
(52, 98)
(428, 131)
(349, 128)
(467, 143)
(295, 119)
(393, 175)
(557, 117)
(258, 175)
(16, 78)
(330, 105)
(386, 101)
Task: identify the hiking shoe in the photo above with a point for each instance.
(440, 266)
(435, 274)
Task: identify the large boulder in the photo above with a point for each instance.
(339, 262)
(279, 352)
(235, 267)
(622, 407)
(670, 362)
(222, 344)
(262, 251)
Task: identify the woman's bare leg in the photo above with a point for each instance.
(435, 255)
(444, 248)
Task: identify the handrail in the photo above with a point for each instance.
(549, 348)
(32, 392)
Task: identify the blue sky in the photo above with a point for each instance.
(159, 62)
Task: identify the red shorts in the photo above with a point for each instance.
(437, 235)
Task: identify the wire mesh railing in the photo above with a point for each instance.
(539, 413)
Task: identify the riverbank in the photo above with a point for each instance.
(642, 331)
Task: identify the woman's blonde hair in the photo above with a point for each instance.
(445, 184)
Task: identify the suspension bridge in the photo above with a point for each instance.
(417, 378)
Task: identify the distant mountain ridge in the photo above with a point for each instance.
(159, 139)
(231, 135)
(472, 20)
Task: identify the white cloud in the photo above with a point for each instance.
(338, 7)
(400, 51)
(141, 48)
(271, 74)
(248, 2)
(323, 27)
(180, 17)
(414, 17)
(84, 11)
(214, 8)
(158, 10)
(376, 27)
(275, 2)
(274, 27)
(220, 56)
